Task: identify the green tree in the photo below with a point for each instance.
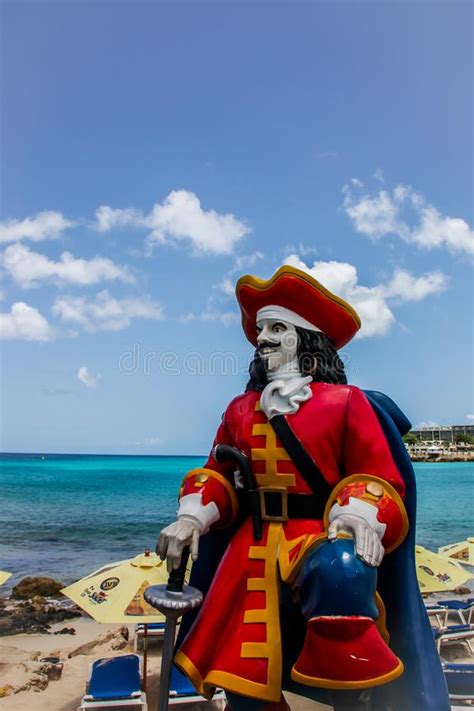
(411, 439)
(464, 439)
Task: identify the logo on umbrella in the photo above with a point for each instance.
(109, 584)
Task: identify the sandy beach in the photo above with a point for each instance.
(19, 655)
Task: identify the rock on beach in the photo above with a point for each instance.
(31, 587)
(35, 604)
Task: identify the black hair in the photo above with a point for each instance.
(316, 356)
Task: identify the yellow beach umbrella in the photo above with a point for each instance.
(4, 577)
(462, 552)
(114, 593)
(436, 573)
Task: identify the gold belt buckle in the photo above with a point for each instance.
(284, 503)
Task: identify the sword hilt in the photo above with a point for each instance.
(224, 453)
(177, 575)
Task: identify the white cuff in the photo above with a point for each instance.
(191, 505)
(362, 509)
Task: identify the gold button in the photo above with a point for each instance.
(201, 478)
(374, 488)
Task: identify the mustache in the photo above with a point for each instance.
(267, 344)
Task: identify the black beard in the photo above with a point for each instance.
(262, 361)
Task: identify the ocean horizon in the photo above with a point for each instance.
(64, 515)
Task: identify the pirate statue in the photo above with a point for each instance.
(308, 567)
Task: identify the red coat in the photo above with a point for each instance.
(235, 641)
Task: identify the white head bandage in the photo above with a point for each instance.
(280, 313)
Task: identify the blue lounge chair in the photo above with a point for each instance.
(463, 608)
(115, 682)
(460, 681)
(454, 634)
(182, 692)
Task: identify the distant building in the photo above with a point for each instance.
(446, 434)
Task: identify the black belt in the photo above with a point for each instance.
(277, 505)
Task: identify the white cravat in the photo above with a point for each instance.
(286, 390)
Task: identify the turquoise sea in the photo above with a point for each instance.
(65, 515)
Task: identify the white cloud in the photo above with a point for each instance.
(107, 218)
(45, 225)
(25, 323)
(372, 303)
(242, 261)
(86, 378)
(374, 217)
(227, 286)
(105, 313)
(470, 418)
(405, 213)
(28, 268)
(435, 230)
(179, 217)
(403, 286)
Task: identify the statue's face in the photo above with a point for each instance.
(277, 343)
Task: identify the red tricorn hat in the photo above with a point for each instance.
(290, 288)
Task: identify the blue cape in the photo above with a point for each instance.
(422, 686)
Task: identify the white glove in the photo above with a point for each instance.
(185, 531)
(367, 542)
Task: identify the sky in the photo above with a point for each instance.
(152, 153)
